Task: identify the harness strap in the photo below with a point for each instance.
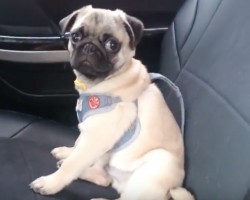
(175, 88)
(90, 104)
(129, 136)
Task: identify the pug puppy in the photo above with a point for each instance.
(149, 161)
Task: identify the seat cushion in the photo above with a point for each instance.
(18, 125)
(25, 145)
(206, 53)
(23, 161)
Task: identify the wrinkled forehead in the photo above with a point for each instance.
(98, 22)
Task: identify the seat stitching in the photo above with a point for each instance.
(195, 47)
(211, 88)
(176, 47)
(190, 30)
(185, 64)
(26, 126)
(202, 35)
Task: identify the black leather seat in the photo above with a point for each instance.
(206, 53)
(25, 143)
(35, 129)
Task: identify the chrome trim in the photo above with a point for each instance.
(57, 56)
(29, 38)
(156, 29)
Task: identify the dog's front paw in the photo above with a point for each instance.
(61, 152)
(47, 185)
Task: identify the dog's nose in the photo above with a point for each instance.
(89, 48)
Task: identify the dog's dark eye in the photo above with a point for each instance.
(76, 37)
(112, 45)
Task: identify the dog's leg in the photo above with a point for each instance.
(107, 128)
(97, 175)
(159, 173)
(61, 153)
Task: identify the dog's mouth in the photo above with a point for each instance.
(84, 62)
(93, 71)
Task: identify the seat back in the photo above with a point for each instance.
(206, 52)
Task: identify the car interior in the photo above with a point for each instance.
(201, 45)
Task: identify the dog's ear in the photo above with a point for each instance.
(135, 29)
(67, 22)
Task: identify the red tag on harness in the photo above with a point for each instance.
(94, 102)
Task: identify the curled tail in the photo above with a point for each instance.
(180, 193)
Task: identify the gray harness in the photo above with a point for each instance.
(91, 104)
